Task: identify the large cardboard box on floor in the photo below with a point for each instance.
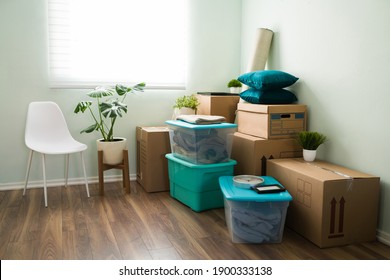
(252, 153)
(152, 166)
(271, 121)
(332, 205)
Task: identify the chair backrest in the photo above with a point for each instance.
(45, 124)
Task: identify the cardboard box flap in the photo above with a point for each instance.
(265, 109)
(321, 170)
(156, 128)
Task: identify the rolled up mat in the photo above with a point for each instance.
(258, 59)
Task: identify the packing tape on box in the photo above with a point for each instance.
(349, 178)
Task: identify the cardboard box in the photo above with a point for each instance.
(152, 166)
(332, 205)
(218, 105)
(271, 121)
(252, 153)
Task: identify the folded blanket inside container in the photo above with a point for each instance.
(254, 226)
(201, 119)
(212, 150)
(207, 147)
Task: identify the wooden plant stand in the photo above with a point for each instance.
(124, 165)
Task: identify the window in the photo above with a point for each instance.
(95, 42)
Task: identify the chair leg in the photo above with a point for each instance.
(44, 178)
(28, 171)
(100, 171)
(66, 169)
(85, 173)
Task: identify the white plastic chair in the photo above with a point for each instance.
(47, 133)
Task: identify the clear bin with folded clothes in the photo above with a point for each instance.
(201, 143)
(252, 217)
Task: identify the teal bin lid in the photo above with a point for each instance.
(200, 166)
(232, 192)
(200, 126)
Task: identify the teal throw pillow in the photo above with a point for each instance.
(273, 96)
(267, 79)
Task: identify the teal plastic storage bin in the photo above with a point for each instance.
(253, 217)
(197, 186)
(201, 144)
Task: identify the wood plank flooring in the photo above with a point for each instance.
(138, 226)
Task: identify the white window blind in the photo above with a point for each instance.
(97, 42)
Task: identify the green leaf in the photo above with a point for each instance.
(113, 109)
(311, 140)
(82, 106)
(121, 89)
(90, 128)
(139, 87)
(100, 92)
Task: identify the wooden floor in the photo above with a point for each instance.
(138, 226)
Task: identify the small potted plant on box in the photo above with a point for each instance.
(105, 116)
(310, 141)
(186, 105)
(234, 86)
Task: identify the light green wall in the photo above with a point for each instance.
(340, 52)
(214, 51)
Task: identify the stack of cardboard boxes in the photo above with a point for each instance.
(266, 132)
(332, 205)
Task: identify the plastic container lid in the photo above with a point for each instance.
(200, 126)
(232, 192)
(200, 166)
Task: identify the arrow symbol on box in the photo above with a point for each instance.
(332, 214)
(341, 214)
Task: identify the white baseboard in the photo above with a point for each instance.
(61, 182)
(383, 237)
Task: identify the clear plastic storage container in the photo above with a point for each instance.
(253, 217)
(201, 144)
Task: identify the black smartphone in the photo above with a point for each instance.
(272, 188)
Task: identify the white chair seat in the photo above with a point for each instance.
(47, 133)
(59, 148)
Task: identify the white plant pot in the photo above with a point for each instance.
(309, 155)
(112, 151)
(182, 111)
(235, 90)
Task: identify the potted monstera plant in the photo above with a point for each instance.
(109, 106)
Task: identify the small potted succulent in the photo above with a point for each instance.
(186, 105)
(109, 106)
(234, 86)
(310, 141)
